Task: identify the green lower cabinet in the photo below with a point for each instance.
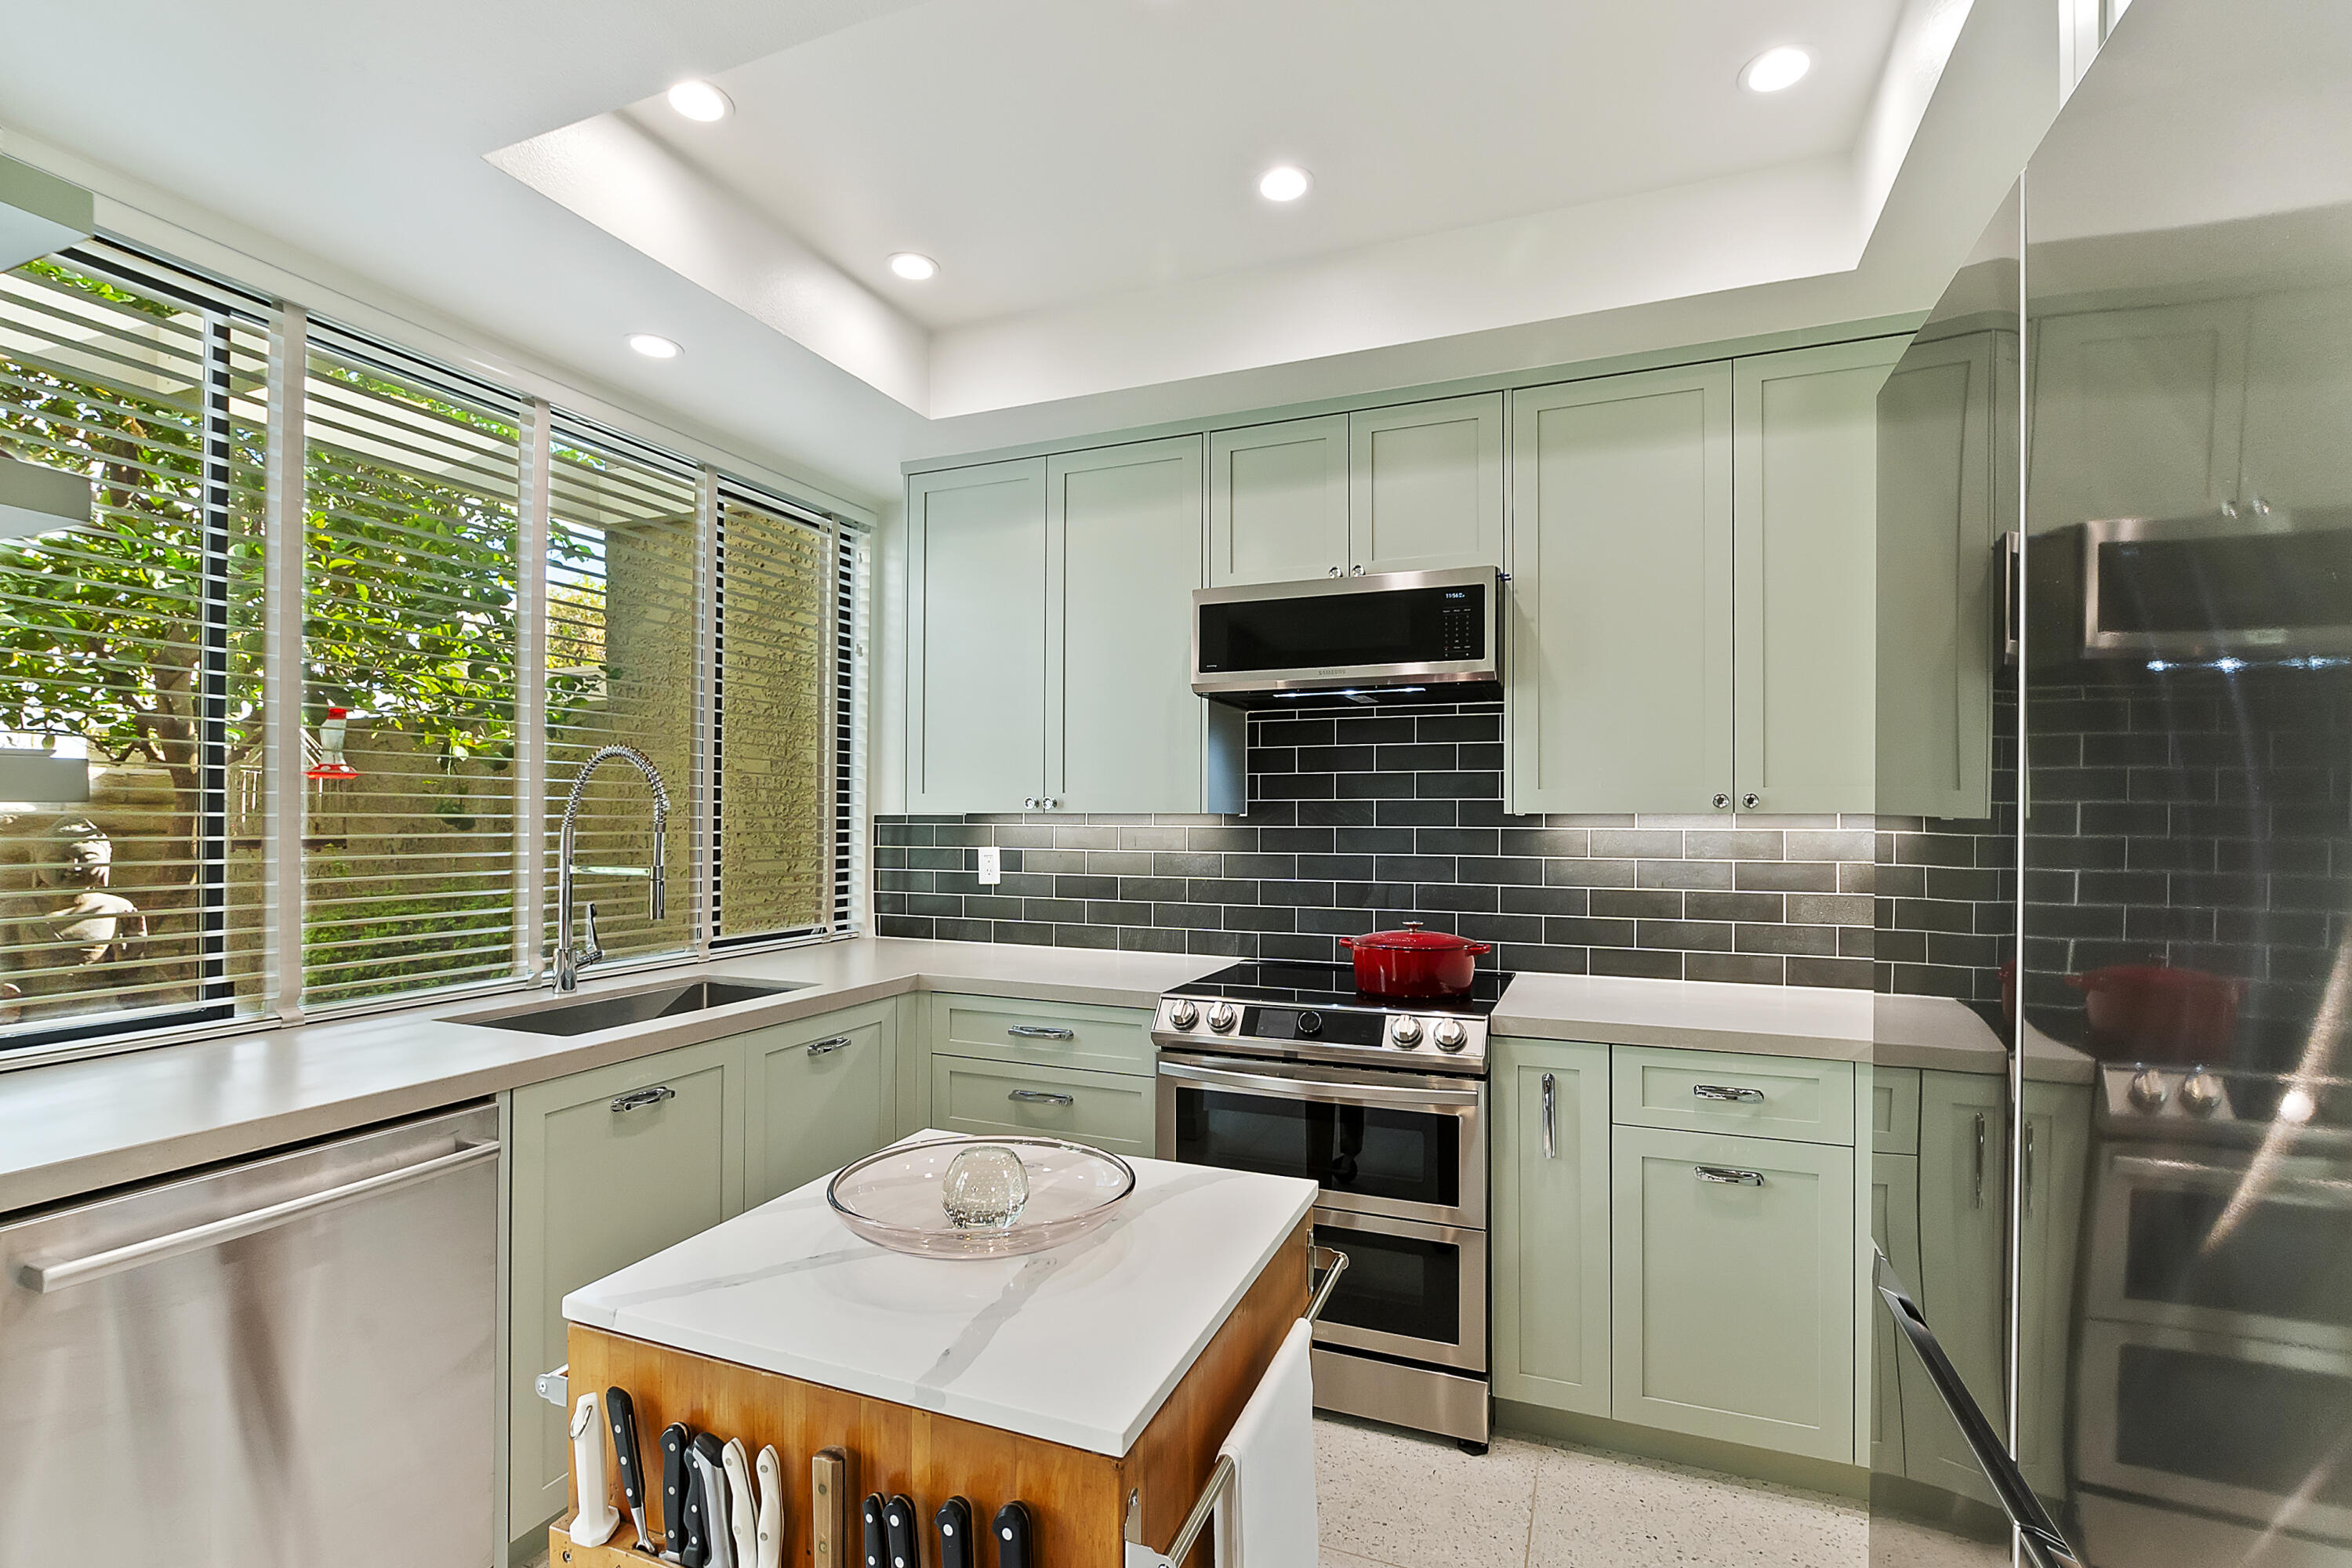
(819, 1093)
(1895, 1227)
(1549, 1217)
(1961, 1283)
(1109, 1111)
(609, 1167)
(2057, 1158)
(1733, 1288)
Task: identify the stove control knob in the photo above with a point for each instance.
(2147, 1091)
(1449, 1034)
(1221, 1018)
(2200, 1093)
(1310, 1023)
(1182, 1015)
(1406, 1033)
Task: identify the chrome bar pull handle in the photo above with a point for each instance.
(1041, 1032)
(2028, 1167)
(1725, 1092)
(829, 1045)
(1550, 1118)
(1979, 1159)
(637, 1099)
(1039, 1096)
(1728, 1176)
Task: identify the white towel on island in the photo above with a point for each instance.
(1267, 1518)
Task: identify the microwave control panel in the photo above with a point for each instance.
(1462, 625)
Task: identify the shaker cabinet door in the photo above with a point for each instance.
(1963, 1196)
(976, 637)
(1278, 502)
(1619, 636)
(819, 1093)
(1425, 486)
(1551, 1224)
(2136, 413)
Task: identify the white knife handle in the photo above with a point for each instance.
(714, 1490)
(597, 1518)
(741, 1501)
(771, 1509)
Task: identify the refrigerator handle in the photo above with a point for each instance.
(2043, 1546)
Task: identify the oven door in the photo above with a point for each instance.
(2218, 1422)
(2224, 1241)
(1406, 1145)
(1413, 1291)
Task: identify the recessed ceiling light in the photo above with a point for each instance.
(914, 268)
(653, 346)
(1776, 69)
(700, 101)
(1283, 183)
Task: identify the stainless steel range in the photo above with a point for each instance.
(1287, 1068)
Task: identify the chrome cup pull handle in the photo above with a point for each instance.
(1039, 1096)
(1727, 1093)
(639, 1100)
(1728, 1176)
(829, 1045)
(1041, 1032)
(1550, 1118)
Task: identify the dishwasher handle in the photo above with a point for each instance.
(45, 1277)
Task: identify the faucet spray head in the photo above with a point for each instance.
(661, 881)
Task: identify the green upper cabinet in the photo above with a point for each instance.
(1804, 510)
(1733, 1287)
(1551, 1224)
(1278, 502)
(818, 1094)
(1425, 486)
(1620, 637)
(1124, 732)
(1946, 492)
(2136, 413)
(976, 637)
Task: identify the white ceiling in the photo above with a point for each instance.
(1500, 184)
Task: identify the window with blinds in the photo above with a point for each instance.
(622, 636)
(410, 593)
(130, 894)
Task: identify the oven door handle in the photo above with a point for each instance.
(2043, 1546)
(1317, 1089)
(2334, 1192)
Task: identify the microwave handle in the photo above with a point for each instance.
(2043, 1546)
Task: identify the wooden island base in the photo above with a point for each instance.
(1076, 1499)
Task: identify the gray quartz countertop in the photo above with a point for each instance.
(74, 1127)
(1808, 1021)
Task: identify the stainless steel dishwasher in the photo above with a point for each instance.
(283, 1361)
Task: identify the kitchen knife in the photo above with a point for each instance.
(710, 1489)
(956, 1549)
(677, 1485)
(771, 1520)
(698, 1535)
(593, 1522)
(877, 1547)
(829, 1492)
(1013, 1535)
(743, 1502)
(621, 1413)
(900, 1532)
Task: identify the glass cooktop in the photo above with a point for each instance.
(1334, 985)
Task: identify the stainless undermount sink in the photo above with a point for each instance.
(591, 1014)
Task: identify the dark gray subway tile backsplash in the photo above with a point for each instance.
(1360, 820)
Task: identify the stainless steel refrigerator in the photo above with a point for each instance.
(2112, 1174)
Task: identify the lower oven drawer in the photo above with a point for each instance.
(1109, 1111)
(1412, 1289)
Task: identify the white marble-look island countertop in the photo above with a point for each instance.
(1079, 1346)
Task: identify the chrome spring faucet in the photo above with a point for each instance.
(570, 960)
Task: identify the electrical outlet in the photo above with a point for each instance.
(991, 865)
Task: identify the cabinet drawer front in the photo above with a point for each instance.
(1109, 1111)
(1734, 1287)
(1895, 1111)
(1709, 1092)
(1103, 1039)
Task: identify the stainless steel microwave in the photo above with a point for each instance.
(2263, 588)
(1396, 637)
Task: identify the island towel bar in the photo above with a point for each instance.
(1335, 1263)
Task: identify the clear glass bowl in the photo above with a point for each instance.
(896, 1198)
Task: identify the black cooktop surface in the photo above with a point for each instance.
(1334, 985)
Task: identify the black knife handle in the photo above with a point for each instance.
(956, 1548)
(901, 1532)
(623, 1416)
(677, 1485)
(877, 1544)
(696, 1550)
(1013, 1535)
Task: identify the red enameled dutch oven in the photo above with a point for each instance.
(1414, 961)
